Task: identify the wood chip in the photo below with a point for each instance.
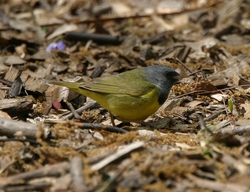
(14, 60)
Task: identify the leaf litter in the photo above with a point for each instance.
(54, 139)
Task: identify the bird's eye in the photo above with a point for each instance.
(168, 73)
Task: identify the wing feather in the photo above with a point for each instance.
(120, 84)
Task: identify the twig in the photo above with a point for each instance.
(9, 127)
(118, 154)
(146, 15)
(126, 164)
(216, 186)
(80, 110)
(128, 17)
(203, 125)
(236, 164)
(183, 65)
(18, 139)
(101, 156)
(46, 171)
(209, 92)
(70, 106)
(214, 115)
(45, 5)
(28, 187)
(89, 126)
(98, 71)
(76, 168)
(231, 130)
(100, 126)
(98, 38)
(112, 118)
(6, 82)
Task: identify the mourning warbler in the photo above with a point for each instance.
(129, 96)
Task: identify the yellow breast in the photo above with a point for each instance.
(126, 107)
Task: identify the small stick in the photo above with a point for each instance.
(234, 130)
(80, 110)
(119, 153)
(214, 115)
(18, 139)
(183, 65)
(112, 119)
(203, 125)
(76, 167)
(46, 171)
(98, 38)
(9, 127)
(99, 126)
(70, 106)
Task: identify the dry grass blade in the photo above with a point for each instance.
(229, 11)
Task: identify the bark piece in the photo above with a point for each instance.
(17, 105)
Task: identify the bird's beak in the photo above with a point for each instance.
(181, 76)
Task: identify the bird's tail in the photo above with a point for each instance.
(71, 85)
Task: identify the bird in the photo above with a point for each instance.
(131, 96)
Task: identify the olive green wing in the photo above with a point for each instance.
(127, 83)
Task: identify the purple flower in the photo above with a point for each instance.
(56, 46)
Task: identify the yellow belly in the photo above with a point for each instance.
(125, 107)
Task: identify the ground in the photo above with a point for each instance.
(53, 139)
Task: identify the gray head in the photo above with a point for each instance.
(164, 78)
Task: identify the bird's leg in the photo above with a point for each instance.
(112, 119)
